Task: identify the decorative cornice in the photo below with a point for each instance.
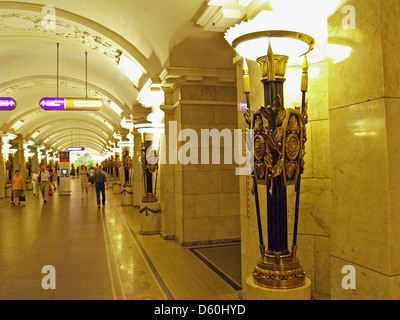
(173, 76)
(87, 28)
(221, 15)
(24, 23)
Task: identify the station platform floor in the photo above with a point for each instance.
(97, 254)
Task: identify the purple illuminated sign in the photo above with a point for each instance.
(7, 104)
(75, 149)
(242, 106)
(53, 103)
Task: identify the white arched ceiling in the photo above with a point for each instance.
(142, 31)
(66, 129)
(79, 135)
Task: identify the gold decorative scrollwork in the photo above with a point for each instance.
(287, 139)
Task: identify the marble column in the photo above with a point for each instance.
(19, 156)
(136, 181)
(200, 198)
(167, 193)
(35, 159)
(364, 99)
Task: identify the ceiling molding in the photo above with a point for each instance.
(70, 27)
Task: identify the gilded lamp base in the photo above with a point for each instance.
(279, 272)
(149, 197)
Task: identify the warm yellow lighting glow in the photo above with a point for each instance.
(366, 134)
(151, 95)
(16, 126)
(338, 53)
(131, 69)
(109, 125)
(35, 135)
(126, 124)
(156, 116)
(115, 108)
(307, 17)
(252, 38)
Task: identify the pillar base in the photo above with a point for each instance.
(126, 196)
(256, 292)
(29, 186)
(150, 218)
(116, 188)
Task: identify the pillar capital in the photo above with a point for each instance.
(174, 76)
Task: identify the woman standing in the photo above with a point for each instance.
(84, 180)
(35, 182)
(17, 186)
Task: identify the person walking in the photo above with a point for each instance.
(84, 180)
(35, 182)
(100, 179)
(44, 183)
(17, 186)
(50, 170)
(72, 171)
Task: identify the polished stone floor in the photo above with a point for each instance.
(97, 254)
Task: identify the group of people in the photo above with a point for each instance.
(43, 180)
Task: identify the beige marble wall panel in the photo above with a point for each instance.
(226, 93)
(393, 154)
(361, 76)
(390, 13)
(230, 182)
(360, 185)
(206, 205)
(197, 229)
(226, 114)
(179, 228)
(198, 93)
(215, 181)
(370, 285)
(314, 209)
(322, 265)
(168, 214)
(320, 149)
(228, 204)
(305, 253)
(198, 114)
(225, 228)
(189, 202)
(195, 182)
(318, 95)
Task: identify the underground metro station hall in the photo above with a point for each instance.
(222, 150)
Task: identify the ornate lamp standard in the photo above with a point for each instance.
(279, 139)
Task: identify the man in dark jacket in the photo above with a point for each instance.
(100, 179)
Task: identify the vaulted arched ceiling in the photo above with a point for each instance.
(142, 31)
